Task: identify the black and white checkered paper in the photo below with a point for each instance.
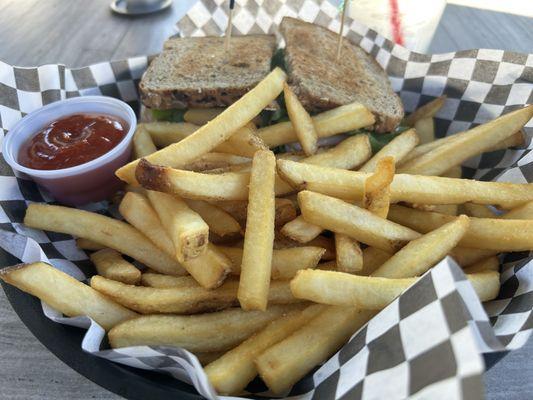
(429, 342)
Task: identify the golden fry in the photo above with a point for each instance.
(398, 148)
(376, 198)
(112, 233)
(332, 122)
(231, 373)
(423, 253)
(186, 229)
(360, 224)
(259, 234)
(300, 230)
(65, 294)
(219, 331)
(142, 143)
(349, 256)
(301, 121)
(483, 233)
(111, 265)
(285, 262)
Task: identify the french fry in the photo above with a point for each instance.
(165, 281)
(215, 131)
(136, 209)
(187, 230)
(210, 268)
(348, 154)
(373, 258)
(425, 129)
(349, 256)
(208, 356)
(231, 373)
(300, 230)
(219, 221)
(420, 189)
(193, 185)
(65, 294)
(87, 244)
(259, 235)
(200, 186)
(423, 253)
(244, 142)
(231, 168)
(360, 224)
(376, 197)
(398, 148)
(523, 212)
(488, 264)
(478, 211)
(164, 134)
(213, 161)
(279, 292)
(111, 265)
(289, 360)
(371, 293)
(176, 296)
(515, 140)
(285, 210)
(329, 123)
(201, 116)
(285, 262)
(483, 233)
(478, 140)
(454, 172)
(142, 143)
(450, 209)
(428, 110)
(101, 229)
(325, 243)
(465, 256)
(301, 121)
(218, 331)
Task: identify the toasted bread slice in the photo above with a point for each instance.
(197, 72)
(321, 83)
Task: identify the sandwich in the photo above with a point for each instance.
(198, 73)
(321, 83)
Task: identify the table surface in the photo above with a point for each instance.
(80, 32)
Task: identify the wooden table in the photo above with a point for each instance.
(81, 32)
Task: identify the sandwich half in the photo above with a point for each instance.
(322, 83)
(198, 73)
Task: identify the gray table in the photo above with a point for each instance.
(81, 32)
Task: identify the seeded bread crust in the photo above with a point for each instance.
(197, 72)
(321, 83)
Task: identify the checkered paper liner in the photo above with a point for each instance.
(427, 343)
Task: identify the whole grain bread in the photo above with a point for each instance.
(321, 83)
(197, 72)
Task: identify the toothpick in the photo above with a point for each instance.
(230, 25)
(339, 43)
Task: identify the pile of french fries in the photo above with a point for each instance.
(265, 264)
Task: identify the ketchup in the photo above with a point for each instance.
(72, 141)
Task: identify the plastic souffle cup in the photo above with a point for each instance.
(92, 181)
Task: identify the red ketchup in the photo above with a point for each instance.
(73, 140)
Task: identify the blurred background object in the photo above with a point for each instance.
(411, 23)
(139, 7)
